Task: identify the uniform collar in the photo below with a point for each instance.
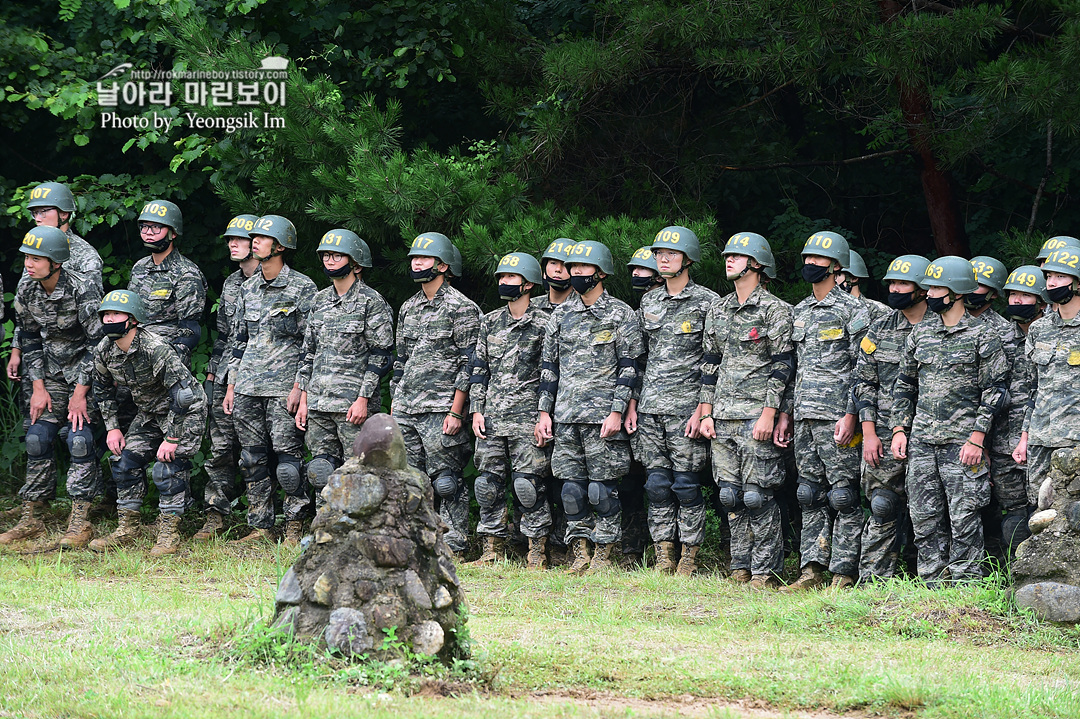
(281, 280)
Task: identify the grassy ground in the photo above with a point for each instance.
(125, 635)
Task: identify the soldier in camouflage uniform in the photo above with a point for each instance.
(827, 329)
(952, 382)
(644, 275)
(436, 338)
(505, 379)
(1053, 346)
(221, 486)
(168, 428)
(853, 274)
(1059, 242)
(272, 314)
(556, 276)
(58, 325)
(588, 372)
(875, 380)
(347, 352)
(748, 365)
(173, 287)
(665, 419)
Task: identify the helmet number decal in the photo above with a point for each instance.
(667, 236)
(121, 297)
(240, 223)
(1063, 257)
(737, 241)
(643, 253)
(422, 243)
(582, 250)
(899, 265)
(934, 271)
(153, 208)
(983, 270)
(40, 193)
(263, 224)
(1027, 279)
(1054, 244)
(331, 239)
(31, 241)
(558, 247)
(510, 261)
(823, 241)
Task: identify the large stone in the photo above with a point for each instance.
(347, 632)
(356, 494)
(442, 598)
(1072, 516)
(320, 590)
(1041, 520)
(1052, 601)
(414, 590)
(389, 551)
(380, 444)
(1046, 494)
(289, 591)
(428, 638)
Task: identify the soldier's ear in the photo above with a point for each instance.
(601, 275)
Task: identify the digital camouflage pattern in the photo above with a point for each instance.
(58, 330)
(582, 457)
(174, 294)
(257, 420)
(505, 457)
(877, 309)
(826, 336)
(225, 320)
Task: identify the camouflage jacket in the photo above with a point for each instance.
(174, 294)
(58, 331)
(674, 327)
(268, 332)
(347, 348)
(226, 317)
(150, 369)
(952, 380)
(878, 365)
(748, 355)
(826, 336)
(505, 373)
(589, 361)
(436, 340)
(1008, 425)
(1053, 345)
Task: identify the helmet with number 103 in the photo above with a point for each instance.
(163, 212)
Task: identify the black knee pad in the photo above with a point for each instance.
(320, 468)
(253, 464)
(575, 499)
(446, 485)
(604, 497)
(39, 440)
(758, 498)
(129, 470)
(288, 474)
(687, 487)
(171, 477)
(885, 505)
(658, 487)
(731, 496)
(811, 495)
(81, 445)
(486, 488)
(1014, 527)
(844, 500)
(525, 489)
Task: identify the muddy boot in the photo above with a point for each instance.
(601, 559)
(79, 530)
(125, 534)
(168, 535)
(764, 581)
(257, 534)
(494, 550)
(578, 556)
(741, 576)
(842, 581)
(688, 561)
(665, 557)
(29, 526)
(537, 557)
(212, 527)
(812, 577)
(294, 530)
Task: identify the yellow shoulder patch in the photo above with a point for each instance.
(831, 334)
(604, 336)
(1074, 358)
(867, 346)
(687, 327)
(160, 293)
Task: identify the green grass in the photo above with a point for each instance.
(126, 635)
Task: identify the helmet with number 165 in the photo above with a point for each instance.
(163, 212)
(680, 239)
(46, 242)
(348, 243)
(277, 228)
(907, 268)
(1027, 278)
(952, 272)
(520, 263)
(592, 253)
(52, 194)
(124, 301)
(829, 245)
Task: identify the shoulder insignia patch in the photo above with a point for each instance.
(867, 346)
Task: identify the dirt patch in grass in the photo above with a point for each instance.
(606, 704)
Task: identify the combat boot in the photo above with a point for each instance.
(579, 555)
(12, 512)
(294, 530)
(812, 577)
(125, 534)
(601, 559)
(494, 551)
(212, 527)
(665, 557)
(257, 534)
(842, 581)
(537, 557)
(79, 531)
(688, 560)
(168, 535)
(29, 526)
(764, 581)
(741, 576)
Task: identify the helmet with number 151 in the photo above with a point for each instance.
(592, 253)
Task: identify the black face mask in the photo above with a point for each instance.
(1060, 295)
(901, 300)
(938, 304)
(509, 293)
(975, 301)
(115, 330)
(557, 285)
(582, 284)
(1023, 313)
(342, 271)
(160, 245)
(424, 275)
(814, 273)
(845, 286)
(641, 284)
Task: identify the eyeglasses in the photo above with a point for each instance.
(333, 256)
(41, 211)
(666, 254)
(151, 227)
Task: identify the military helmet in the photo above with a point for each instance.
(1027, 278)
(770, 264)
(643, 257)
(680, 239)
(240, 226)
(124, 301)
(456, 267)
(278, 228)
(1056, 243)
(48, 242)
(433, 244)
(558, 250)
(856, 267)
(163, 212)
(752, 245)
(953, 272)
(520, 263)
(52, 194)
(592, 253)
(907, 268)
(990, 272)
(348, 243)
(828, 244)
(1064, 260)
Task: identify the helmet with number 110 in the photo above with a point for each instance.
(348, 243)
(520, 263)
(990, 272)
(124, 301)
(829, 245)
(163, 212)
(952, 272)
(433, 244)
(1056, 243)
(907, 268)
(1029, 279)
(752, 245)
(277, 228)
(592, 253)
(52, 194)
(680, 239)
(48, 242)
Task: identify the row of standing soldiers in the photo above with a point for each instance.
(926, 416)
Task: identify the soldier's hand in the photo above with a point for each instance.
(115, 441)
(227, 403)
(970, 455)
(358, 410)
(451, 425)
(77, 411)
(707, 428)
(292, 402)
(845, 430)
(13, 365)
(612, 425)
(40, 402)
(1020, 453)
(166, 451)
(630, 421)
(899, 445)
(478, 427)
(301, 413)
(781, 435)
(542, 431)
(872, 449)
(763, 428)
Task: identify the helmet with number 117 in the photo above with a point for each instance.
(348, 243)
(433, 244)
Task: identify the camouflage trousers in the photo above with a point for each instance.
(329, 435)
(591, 468)
(1008, 479)
(944, 498)
(884, 487)
(515, 459)
(741, 464)
(660, 443)
(142, 439)
(442, 457)
(256, 419)
(222, 486)
(830, 474)
(84, 480)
